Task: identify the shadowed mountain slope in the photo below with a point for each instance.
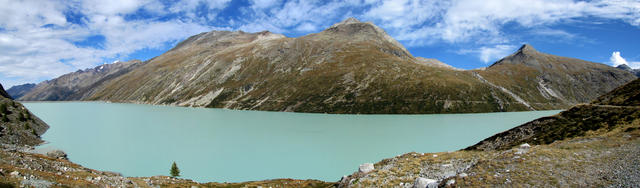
(19, 90)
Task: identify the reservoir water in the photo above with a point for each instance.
(232, 146)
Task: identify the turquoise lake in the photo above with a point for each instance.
(232, 146)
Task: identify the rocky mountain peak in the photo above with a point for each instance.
(350, 20)
(527, 49)
(352, 26)
(357, 30)
(624, 67)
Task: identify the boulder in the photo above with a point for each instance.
(451, 182)
(525, 146)
(366, 168)
(425, 183)
(58, 154)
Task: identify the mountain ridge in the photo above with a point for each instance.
(350, 67)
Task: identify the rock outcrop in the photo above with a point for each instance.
(17, 125)
(3, 93)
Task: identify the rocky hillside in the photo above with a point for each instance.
(594, 144)
(606, 112)
(545, 81)
(19, 90)
(351, 67)
(17, 125)
(77, 85)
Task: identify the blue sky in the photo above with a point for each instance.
(43, 39)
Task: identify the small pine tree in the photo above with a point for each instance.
(5, 118)
(175, 172)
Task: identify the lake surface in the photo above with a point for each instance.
(228, 145)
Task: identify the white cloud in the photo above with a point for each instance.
(264, 4)
(32, 53)
(617, 60)
(488, 54)
(418, 22)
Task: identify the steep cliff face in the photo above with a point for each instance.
(351, 67)
(79, 84)
(17, 125)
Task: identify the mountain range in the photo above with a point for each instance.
(350, 67)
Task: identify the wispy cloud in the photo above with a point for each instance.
(488, 54)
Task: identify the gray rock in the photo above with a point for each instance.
(36, 183)
(366, 168)
(425, 183)
(462, 175)
(59, 154)
(525, 146)
(451, 182)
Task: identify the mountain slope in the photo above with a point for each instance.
(615, 108)
(19, 90)
(79, 84)
(546, 81)
(17, 125)
(351, 67)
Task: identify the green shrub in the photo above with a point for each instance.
(21, 117)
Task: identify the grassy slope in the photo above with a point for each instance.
(573, 80)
